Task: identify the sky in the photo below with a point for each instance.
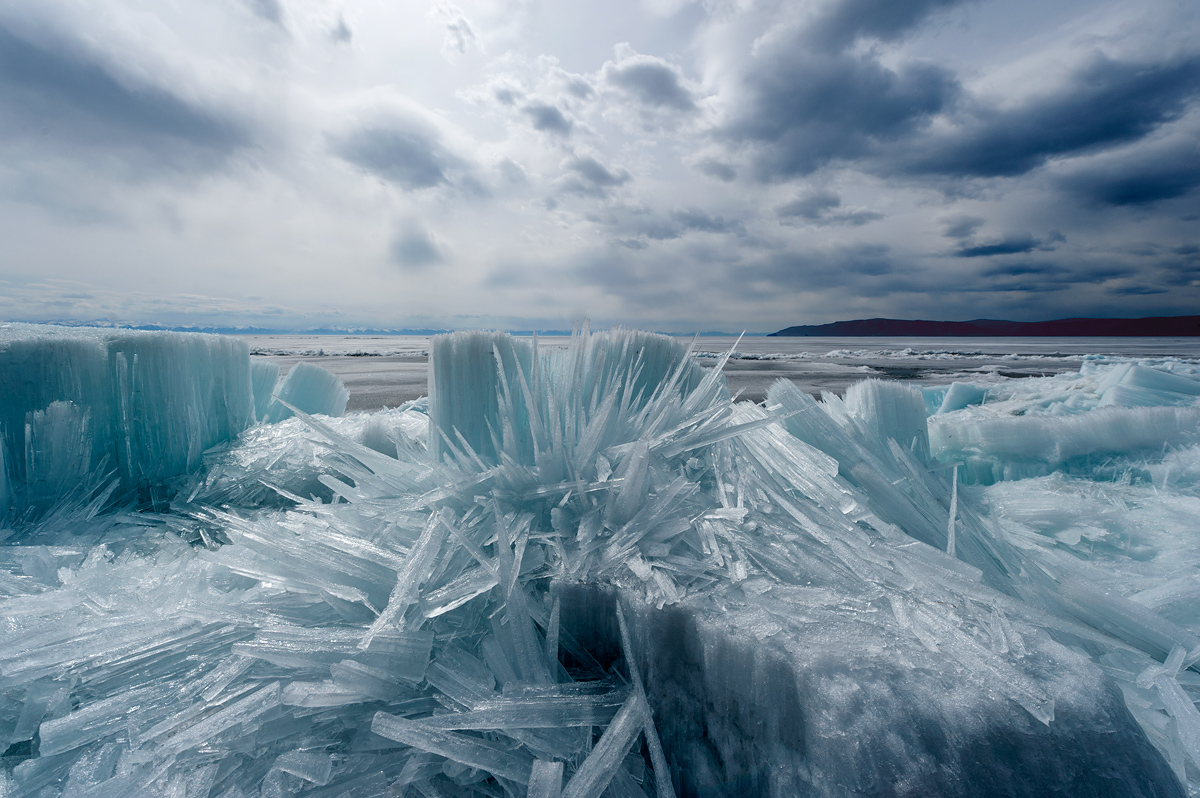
(663, 164)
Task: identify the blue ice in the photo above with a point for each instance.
(589, 571)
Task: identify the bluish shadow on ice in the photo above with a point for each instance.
(820, 600)
(88, 413)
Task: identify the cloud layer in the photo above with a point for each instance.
(669, 165)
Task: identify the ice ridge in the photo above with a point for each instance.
(589, 571)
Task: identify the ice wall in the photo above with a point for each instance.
(80, 404)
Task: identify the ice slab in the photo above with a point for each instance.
(264, 374)
(308, 388)
(797, 697)
(1033, 427)
(80, 403)
(960, 395)
(995, 449)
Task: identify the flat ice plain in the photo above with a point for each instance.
(586, 570)
(386, 371)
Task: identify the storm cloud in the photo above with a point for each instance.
(804, 110)
(1102, 103)
(58, 98)
(651, 81)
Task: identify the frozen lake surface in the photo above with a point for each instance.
(386, 371)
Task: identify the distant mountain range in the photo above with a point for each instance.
(1161, 326)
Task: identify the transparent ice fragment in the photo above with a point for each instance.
(545, 779)
(594, 775)
(311, 389)
(312, 767)
(457, 747)
(530, 712)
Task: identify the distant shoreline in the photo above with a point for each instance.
(1157, 326)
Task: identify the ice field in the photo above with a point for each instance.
(590, 569)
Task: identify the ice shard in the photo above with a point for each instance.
(307, 387)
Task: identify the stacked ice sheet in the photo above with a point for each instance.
(88, 413)
(1074, 422)
(591, 572)
(84, 409)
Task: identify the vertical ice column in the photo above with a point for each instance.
(465, 390)
(263, 376)
(490, 392)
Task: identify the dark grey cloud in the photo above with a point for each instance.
(597, 174)
(822, 207)
(1180, 272)
(414, 248)
(341, 32)
(588, 177)
(270, 10)
(579, 88)
(696, 219)
(961, 225)
(718, 169)
(804, 109)
(1024, 269)
(1105, 102)
(548, 119)
(1135, 290)
(651, 81)
(1164, 171)
(1009, 245)
(811, 206)
(842, 23)
(811, 96)
(404, 152)
(65, 100)
(1024, 276)
(634, 225)
(865, 268)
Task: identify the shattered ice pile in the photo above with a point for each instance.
(1031, 427)
(591, 572)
